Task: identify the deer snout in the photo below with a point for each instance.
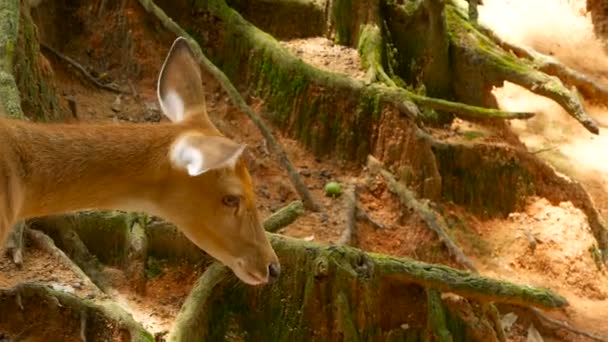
(274, 270)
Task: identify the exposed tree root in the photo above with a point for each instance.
(432, 219)
(316, 275)
(362, 215)
(66, 315)
(370, 48)
(466, 111)
(561, 325)
(137, 256)
(498, 65)
(588, 87)
(82, 70)
(14, 244)
(309, 202)
(436, 316)
(45, 243)
(350, 223)
(9, 17)
(284, 216)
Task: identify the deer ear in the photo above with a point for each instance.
(198, 154)
(179, 89)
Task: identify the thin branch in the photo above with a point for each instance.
(237, 99)
(82, 70)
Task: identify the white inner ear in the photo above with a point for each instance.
(186, 156)
(231, 161)
(172, 105)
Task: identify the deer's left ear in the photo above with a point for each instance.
(198, 154)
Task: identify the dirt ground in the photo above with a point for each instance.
(544, 245)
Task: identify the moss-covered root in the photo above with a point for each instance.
(474, 50)
(192, 320)
(436, 316)
(466, 112)
(309, 202)
(370, 49)
(45, 243)
(350, 216)
(588, 87)
(137, 255)
(33, 311)
(325, 292)
(14, 243)
(9, 29)
(284, 216)
(71, 249)
(431, 218)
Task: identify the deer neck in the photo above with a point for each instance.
(63, 168)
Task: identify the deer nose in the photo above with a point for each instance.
(274, 270)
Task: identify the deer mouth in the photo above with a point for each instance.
(249, 277)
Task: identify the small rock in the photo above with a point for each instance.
(508, 320)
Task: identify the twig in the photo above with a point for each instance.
(237, 99)
(350, 226)
(82, 70)
(408, 199)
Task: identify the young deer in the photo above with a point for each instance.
(184, 171)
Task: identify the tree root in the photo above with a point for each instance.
(82, 70)
(362, 215)
(498, 66)
(432, 220)
(294, 176)
(561, 325)
(14, 244)
(137, 256)
(312, 280)
(45, 243)
(350, 224)
(370, 48)
(436, 316)
(284, 216)
(64, 314)
(588, 87)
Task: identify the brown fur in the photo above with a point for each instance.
(56, 168)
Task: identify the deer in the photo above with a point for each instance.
(184, 171)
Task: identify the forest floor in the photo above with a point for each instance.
(544, 245)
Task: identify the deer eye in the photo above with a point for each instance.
(231, 201)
